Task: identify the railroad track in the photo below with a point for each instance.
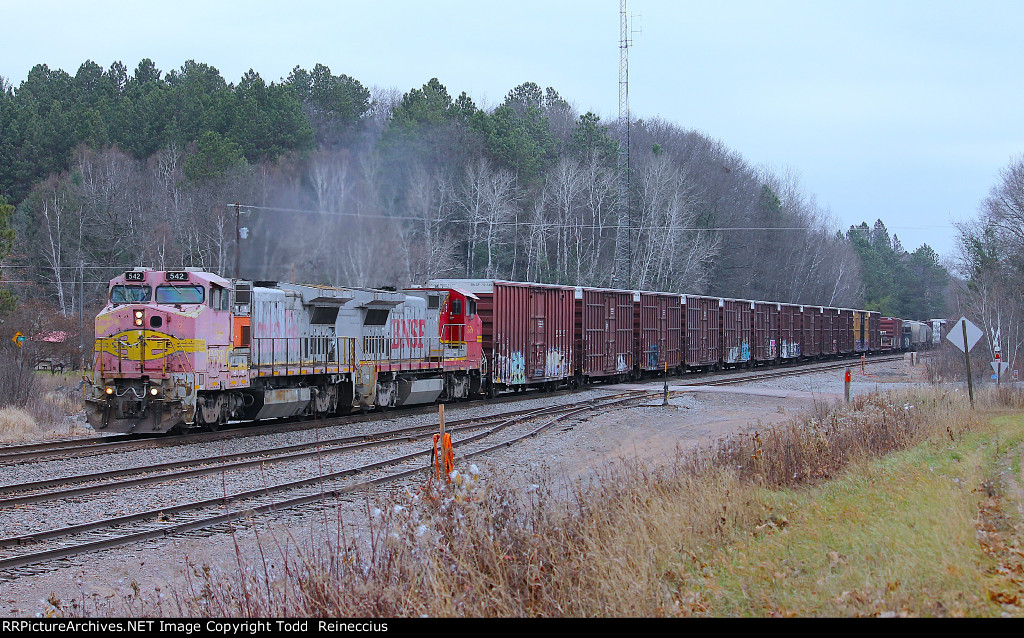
(13, 454)
(27, 553)
(73, 448)
(775, 373)
(64, 542)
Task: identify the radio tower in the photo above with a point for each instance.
(622, 270)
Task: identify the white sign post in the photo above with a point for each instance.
(964, 335)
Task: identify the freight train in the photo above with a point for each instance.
(186, 349)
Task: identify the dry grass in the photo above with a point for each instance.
(850, 511)
(49, 410)
(17, 425)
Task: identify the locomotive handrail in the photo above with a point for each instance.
(272, 353)
(380, 349)
(452, 328)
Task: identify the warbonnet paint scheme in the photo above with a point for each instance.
(184, 349)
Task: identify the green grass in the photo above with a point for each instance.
(894, 536)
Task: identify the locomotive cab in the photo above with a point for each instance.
(458, 310)
(460, 333)
(162, 340)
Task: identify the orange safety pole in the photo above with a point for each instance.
(435, 460)
(449, 457)
(446, 457)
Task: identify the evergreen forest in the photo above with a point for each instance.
(337, 183)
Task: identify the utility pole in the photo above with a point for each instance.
(238, 239)
(81, 313)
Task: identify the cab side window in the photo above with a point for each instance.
(219, 298)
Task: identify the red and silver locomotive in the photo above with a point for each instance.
(186, 349)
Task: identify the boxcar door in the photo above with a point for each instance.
(610, 333)
(538, 346)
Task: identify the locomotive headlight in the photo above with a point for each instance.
(139, 318)
(109, 390)
(153, 391)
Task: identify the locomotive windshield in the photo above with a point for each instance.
(130, 294)
(179, 294)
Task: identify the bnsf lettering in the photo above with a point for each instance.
(408, 333)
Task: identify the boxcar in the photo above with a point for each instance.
(737, 332)
(811, 339)
(703, 348)
(890, 331)
(604, 325)
(845, 340)
(528, 331)
(874, 334)
(658, 330)
(766, 331)
(829, 332)
(790, 329)
(860, 331)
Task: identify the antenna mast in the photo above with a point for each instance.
(622, 270)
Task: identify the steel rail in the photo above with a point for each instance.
(162, 514)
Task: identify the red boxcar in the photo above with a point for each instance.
(810, 341)
(890, 334)
(766, 331)
(845, 336)
(789, 331)
(829, 331)
(604, 334)
(703, 317)
(658, 331)
(737, 331)
(527, 330)
(874, 336)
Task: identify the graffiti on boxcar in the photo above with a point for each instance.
(790, 349)
(510, 369)
(555, 364)
(620, 364)
(745, 352)
(652, 358)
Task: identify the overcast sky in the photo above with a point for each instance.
(900, 110)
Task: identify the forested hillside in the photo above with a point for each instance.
(342, 184)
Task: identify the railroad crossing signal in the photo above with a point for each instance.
(18, 339)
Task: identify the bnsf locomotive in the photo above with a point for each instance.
(184, 349)
(187, 349)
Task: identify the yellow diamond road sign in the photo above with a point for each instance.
(18, 338)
